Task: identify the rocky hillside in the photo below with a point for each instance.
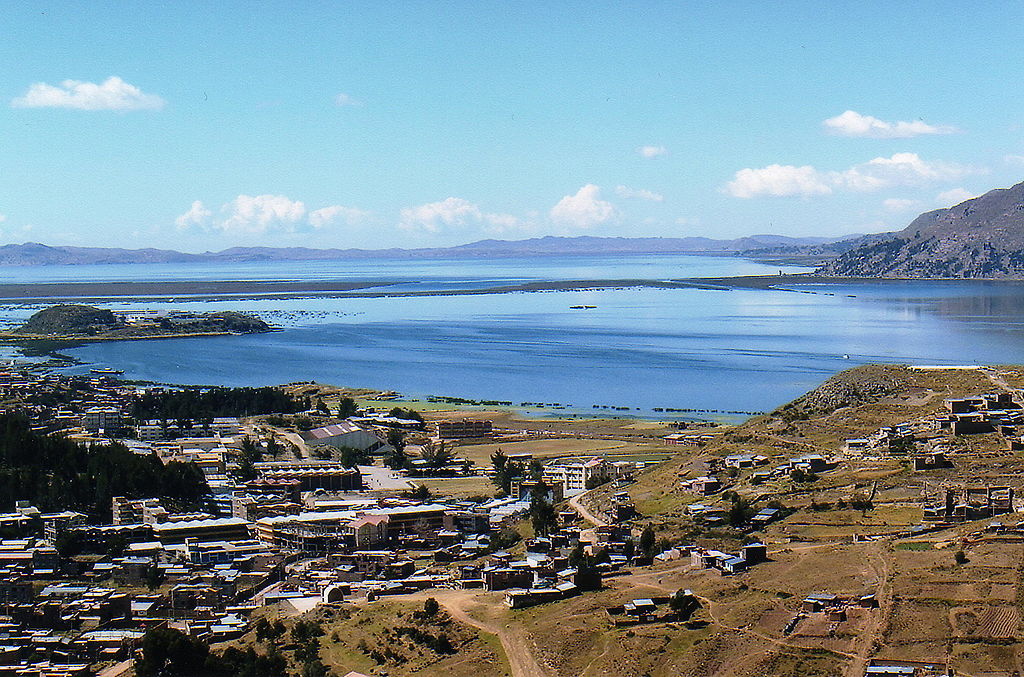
(980, 238)
(71, 320)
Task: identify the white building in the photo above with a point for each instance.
(575, 476)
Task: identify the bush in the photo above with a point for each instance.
(960, 557)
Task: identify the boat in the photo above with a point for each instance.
(581, 307)
(106, 371)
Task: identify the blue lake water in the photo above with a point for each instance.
(745, 350)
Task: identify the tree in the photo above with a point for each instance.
(542, 512)
(430, 607)
(506, 471)
(960, 557)
(420, 493)
(347, 407)
(436, 454)
(171, 653)
(154, 577)
(396, 438)
(647, 541)
(684, 604)
(397, 459)
(740, 512)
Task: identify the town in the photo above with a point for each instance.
(153, 529)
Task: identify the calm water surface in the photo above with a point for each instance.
(743, 350)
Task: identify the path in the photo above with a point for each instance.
(574, 503)
(514, 639)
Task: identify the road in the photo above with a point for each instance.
(574, 503)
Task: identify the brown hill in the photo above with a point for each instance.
(980, 238)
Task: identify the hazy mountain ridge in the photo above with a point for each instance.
(980, 238)
(33, 253)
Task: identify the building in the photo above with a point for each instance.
(96, 419)
(344, 434)
(453, 430)
(326, 475)
(576, 476)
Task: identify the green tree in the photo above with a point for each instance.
(347, 407)
(168, 652)
(647, 541)
(542, 512)
(684, 604)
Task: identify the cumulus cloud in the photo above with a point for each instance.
(112, 94)
(196, 216)
(900, 169)
(262, 214)
(453, 212)
(638, 193)
(651, 151)
(852, 123)
(778, 181)
(584, 209)
(897, 204)
(954, 196)
(325, 216)
(343, 99)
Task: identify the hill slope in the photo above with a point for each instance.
(32, 253)
(980, 238)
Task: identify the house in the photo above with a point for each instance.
(641, 609)
(703, 486)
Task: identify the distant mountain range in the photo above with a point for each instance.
(33, 254)
(980, 238)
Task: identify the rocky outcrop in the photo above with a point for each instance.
(980, 238)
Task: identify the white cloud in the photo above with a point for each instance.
(638, 193)
(262, 214)
(453, 212)
(343, 99)
(852, 123)
(584, 209)
(1014, 159)
(901, 169)
(112, 94)
(778, 181)
(197, 215)
(954, 196)
(320, 218)
(897, 204)
(652, 151)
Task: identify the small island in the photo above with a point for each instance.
(88, 323)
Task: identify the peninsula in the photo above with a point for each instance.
(88, 323)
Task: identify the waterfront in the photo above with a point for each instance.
(642, 348)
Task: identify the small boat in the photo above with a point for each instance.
(106, 371)
(581, 307)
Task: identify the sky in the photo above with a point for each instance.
(204, 125)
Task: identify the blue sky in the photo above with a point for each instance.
(206, 125)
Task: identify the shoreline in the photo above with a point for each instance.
(278, 290)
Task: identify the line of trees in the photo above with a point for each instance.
(197, 404)
(56, 474)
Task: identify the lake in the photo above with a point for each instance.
(641, 348)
